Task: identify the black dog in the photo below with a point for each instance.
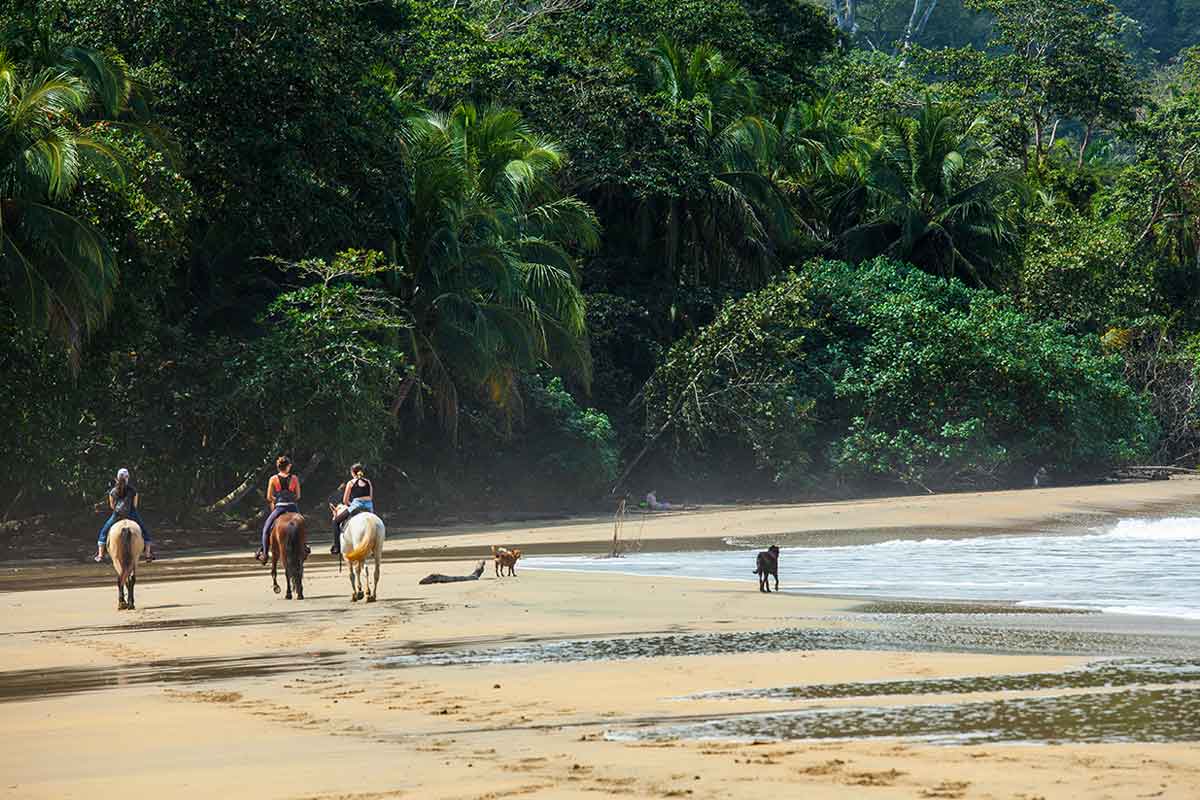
(767, 565)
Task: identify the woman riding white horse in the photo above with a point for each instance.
(362, 538)
(358, 494)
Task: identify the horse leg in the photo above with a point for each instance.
(361, 583)
(353, 585)
(299, 570)
(121, 604)
(375, 586)
(287, 574)
(132, 581)
(371, 586)
(275, 572)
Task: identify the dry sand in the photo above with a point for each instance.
(176, 699)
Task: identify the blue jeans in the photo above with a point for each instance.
(282, 508)
(358, 503)
(112, 520)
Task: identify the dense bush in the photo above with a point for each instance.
(884, 370)
(556, 455)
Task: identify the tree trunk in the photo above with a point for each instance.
(915, 27)
(247, 484)
(1083, 146)
(8, 511)
(402, 394)
(239, 491)
(310, 467)
(845, 15)
(925, 18)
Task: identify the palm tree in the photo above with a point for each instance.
(485, 249)
(738, 219)
(818, 164)
(55, 266)
(933, 201)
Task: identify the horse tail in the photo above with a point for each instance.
(126, 553)
(291, 538)
(364, 547)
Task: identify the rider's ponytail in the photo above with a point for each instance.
(358, 471)
(122, 481)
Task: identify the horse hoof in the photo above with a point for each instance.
(131, 607)
(371, 599)
(278, 590)
(353, 598)
(299, 595)
(121, 606)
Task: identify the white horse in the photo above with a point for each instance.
(125, 545)
(362, 538)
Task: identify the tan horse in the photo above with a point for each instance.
(125, 545)
(362, 538)
(288, 542)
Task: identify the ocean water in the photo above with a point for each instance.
(1146, 567)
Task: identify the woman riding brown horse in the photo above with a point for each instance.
(289, 541)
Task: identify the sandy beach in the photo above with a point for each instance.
(216, 687)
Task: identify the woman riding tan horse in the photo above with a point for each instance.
(125, 545)
(361, 538)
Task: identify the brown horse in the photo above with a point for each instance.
(125, 545)
(289, 539)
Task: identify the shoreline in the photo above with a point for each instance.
(955, 515)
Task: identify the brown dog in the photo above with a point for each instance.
(503, 558)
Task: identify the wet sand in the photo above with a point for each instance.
(561, 684)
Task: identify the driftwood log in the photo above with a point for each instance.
(438, 578)
(1150, 473)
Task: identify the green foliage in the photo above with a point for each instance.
(938, 203)
(322, 377)
(485, 248)
(624, 350)
(882, 370)
(1067, 271)
(1054, 62)
(575, 445)
(281, 127)
(592, 181)
(55, 266)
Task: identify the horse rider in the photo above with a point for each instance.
(283, 494)
(123, 502)
(358, 494)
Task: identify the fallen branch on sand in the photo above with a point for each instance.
(437, 578)
(1151, 473)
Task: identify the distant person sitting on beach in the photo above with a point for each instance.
(123, 502)
(654, 504)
